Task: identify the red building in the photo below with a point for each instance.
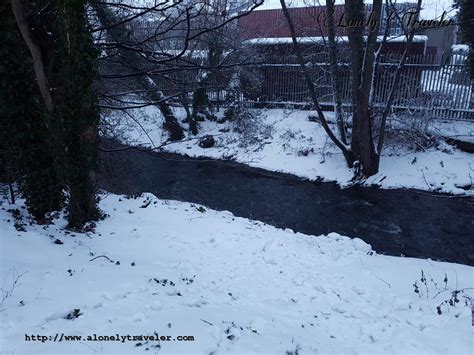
(308, 21)
(270, 28)
(267, 33)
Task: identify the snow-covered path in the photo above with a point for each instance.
(237, 286)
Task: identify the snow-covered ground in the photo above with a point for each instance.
(237, 286)
(284, 140)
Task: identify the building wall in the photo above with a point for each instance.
(440, 39)
(272, 23)
(310, 21)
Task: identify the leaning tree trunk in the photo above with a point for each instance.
(36, 55)
(130, 58)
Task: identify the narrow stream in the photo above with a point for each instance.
(395, 222)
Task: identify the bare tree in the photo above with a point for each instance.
(120, 33)
(155, 52)
(335, 73)
(321, 117)
(364, 49)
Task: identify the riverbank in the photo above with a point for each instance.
(395, 222)
(234, 285)
(285, 141)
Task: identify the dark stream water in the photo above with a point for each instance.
(394, 222)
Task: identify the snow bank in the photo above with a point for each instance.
(237, 286)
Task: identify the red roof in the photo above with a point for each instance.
(308, 21)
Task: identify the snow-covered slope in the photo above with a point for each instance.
(237, 286)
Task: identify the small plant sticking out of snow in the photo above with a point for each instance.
(157, 347)
(18, 224)
(413, 130)
(146, 203)
(6, 291)
(253, 131)
(232, 328)
(304, 152)
(163, 282)
(133, 196)
(295, 352)
(454, 300)
(422, 286)
(201, 209)
(426, 283)
(73, 314)
(189, 280)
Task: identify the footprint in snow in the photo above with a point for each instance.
(197, 304)
(156, 305)
(338, 309)
(138, 317)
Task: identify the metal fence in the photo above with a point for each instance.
(437, 85)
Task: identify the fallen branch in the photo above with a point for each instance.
(205, 321)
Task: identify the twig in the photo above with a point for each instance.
(389, 286)
(426, 182)
(101, 256)
(8, 293)
(155, 148)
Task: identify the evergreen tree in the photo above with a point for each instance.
(77, 111)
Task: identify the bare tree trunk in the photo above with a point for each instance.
(12, 192)
(322, 119)
(335, 74)
(363, 69)
(189, 117)
(171, 123)
(38, 65)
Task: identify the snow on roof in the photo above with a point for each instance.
(460, 48)
(288, 40)
(430, 9)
